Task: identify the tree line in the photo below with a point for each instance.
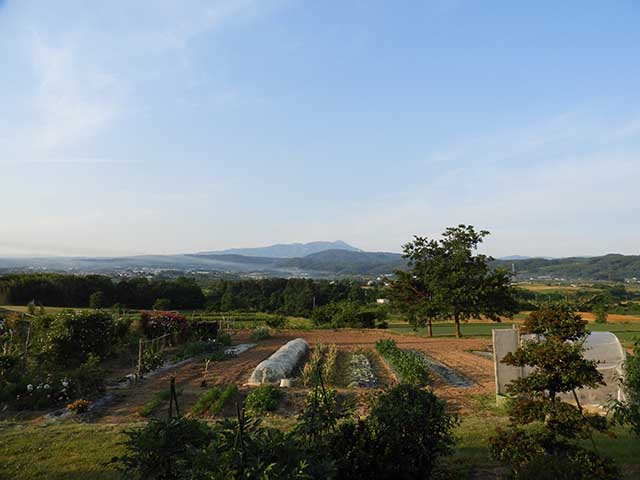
(293, 296)
(59, 290)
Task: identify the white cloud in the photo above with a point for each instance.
(74, 100)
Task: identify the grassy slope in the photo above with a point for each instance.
(62, 451)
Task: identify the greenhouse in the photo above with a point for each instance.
(603, 347)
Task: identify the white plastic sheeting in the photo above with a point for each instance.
(281, 364)
(605, 349)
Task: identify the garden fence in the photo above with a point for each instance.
(157, 344)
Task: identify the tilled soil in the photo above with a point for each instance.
(452, 352)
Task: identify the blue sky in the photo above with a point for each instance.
(171, 126)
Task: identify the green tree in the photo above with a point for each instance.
(542, 425)
(162, 304)
(447, 279)
(601, 313)
(97, 300)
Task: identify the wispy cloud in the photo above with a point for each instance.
(74, 100)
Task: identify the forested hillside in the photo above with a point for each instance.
(611, 267)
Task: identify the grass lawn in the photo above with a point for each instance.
(625, 331)
(69, 451)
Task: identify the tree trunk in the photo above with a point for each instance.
(458, 332)
(429, 327)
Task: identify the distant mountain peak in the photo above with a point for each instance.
(287, 250)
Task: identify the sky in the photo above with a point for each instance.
(169, 126)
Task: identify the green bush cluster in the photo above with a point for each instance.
(260, 333)
(408, 366)
(262, 399)
(404, 437)
(349, 314)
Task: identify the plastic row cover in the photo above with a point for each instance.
(281, 364)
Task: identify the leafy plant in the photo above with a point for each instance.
(152, 358)
(406, 433)
(359, 372)
(554, 427)
(330, 364)
(313, 365)
(260, 333)
(628, 412)
(163, 449)
(205, 401)
(226, 394)
(157, 323)
(409, 366)
(262, 399)
(224, 338)
(68, 338)
(276, 321)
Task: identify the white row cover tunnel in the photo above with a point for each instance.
(281, 364)
(603, 347)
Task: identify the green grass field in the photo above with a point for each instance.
(627, 332)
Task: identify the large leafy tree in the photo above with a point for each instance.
(448, 279)
(544, 430)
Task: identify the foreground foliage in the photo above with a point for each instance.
(543, 426)
(628, 412)
(405, 435)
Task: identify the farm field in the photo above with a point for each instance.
(80, 449)
(627, 331)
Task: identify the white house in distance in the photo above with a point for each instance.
(382, 301)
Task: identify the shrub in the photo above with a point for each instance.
(406, 433)
(152, 358)
(408, 366)
(541, 424)
(628, 412)
(157, 323)
(260, 333)
(264, 398)
(68, 338)
(223, 338)
(277, 321)
(193, 349)
(162, 304)
(88, 379)
(347, 314)
(164, 448)
(97, 300)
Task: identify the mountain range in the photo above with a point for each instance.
(318, 260)
(286, 250)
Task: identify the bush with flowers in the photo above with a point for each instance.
(156, 323)
(38, 394)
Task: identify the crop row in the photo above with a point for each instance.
(323, 360)
(409, 367)
(360, 373)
